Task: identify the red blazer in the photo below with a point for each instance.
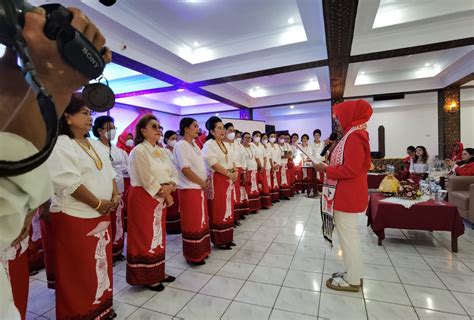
(352, 192)
(465, 170)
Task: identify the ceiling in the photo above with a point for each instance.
(204, 56)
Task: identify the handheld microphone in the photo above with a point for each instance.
(332, 139)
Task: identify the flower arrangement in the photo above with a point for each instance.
(377, 169)
(409, 190)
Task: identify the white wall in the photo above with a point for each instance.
(467, 117)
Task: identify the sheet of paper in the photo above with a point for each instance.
(309, 155)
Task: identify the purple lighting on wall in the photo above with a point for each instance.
(143, 92)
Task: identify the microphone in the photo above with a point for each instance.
(332, 139)
(108, 3)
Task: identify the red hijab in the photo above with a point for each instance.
(354, 113)
(457, 156)
(121, 142)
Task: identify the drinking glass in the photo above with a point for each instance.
(440, 196)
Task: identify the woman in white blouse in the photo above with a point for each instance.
(264, 180)
(222, 171)
(253, 190)
(153, 179)
(104, 129)
(85, 193)
(275, 163)
(419, 163)
(173, 217)
(192, 184)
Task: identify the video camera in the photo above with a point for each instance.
(75, 50)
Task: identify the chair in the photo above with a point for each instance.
(461, 194)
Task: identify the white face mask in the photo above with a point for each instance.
(129, 143)
(281, 141)
(265, 141)
(272, 140)
(231, 136)
(160, 141)
(238, 140)
(256, 139)
(172, 143)
(110, 135)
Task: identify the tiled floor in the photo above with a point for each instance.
(278, 271)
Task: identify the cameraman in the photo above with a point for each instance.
(23, 130)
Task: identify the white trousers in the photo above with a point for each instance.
(348, 234)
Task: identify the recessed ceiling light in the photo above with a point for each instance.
(291, 20)
(311, 79)
(292, 107)
(180, 90)
(362, 72)
(427, 64)
(195, 44)
(257, 87)
(217, 114)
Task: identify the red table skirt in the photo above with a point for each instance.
(422, 216)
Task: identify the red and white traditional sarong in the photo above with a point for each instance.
(298, 178)
(221, 207)
(194, 224)
(83, 266)
(291, 177)
(118, 229)
(253, 191)
(126, 187)
(15, 262)
(237, 196)
(244, 200)
(35, 247)
(265, 195)
(275, 186)
(173, 218)
(285, 190)
(49, 250)
(308, 178)
(146, 238)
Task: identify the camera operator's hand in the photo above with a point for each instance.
(19, 112)
(60, 79)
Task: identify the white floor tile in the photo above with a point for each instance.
(253, 245)
(212, 266)
(307, 264)
(458, 282)
(334, 306)
(283, 248)
(276, 260)
(450, 266)
(268, 275)
(258, 293)
(236, 270)
(385, 291)
(285, 315)
(297, 300)
(169, 301)
(239, 311)
(425, 314)
(191, 280)
(418, 277)
(466, 300)
(42, 303)
(223, 287)
(288, 239)
(247, 256)
(303, 280)
(123, 310)
(136, 296)
(384, 311)
(409, 261)
(378, 272)
(203, 307)
(143, 314)
(433, 299)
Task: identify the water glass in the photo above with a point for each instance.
(440, 196)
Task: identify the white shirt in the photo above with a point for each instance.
(275, 153)
(249, 155)
(189, 156)
(235, 151)
(70, 166)
(419, 167)
(243, 162)
(316, 149)
(18, 196)
(150, 167)
(283, 148)
(307, 149)
(119, 163)
(213, 154)
(261, 153)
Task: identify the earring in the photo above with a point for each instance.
(69, 122)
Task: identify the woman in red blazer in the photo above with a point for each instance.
(345, 190)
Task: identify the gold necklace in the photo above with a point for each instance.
(87, 147)
(223, 149)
